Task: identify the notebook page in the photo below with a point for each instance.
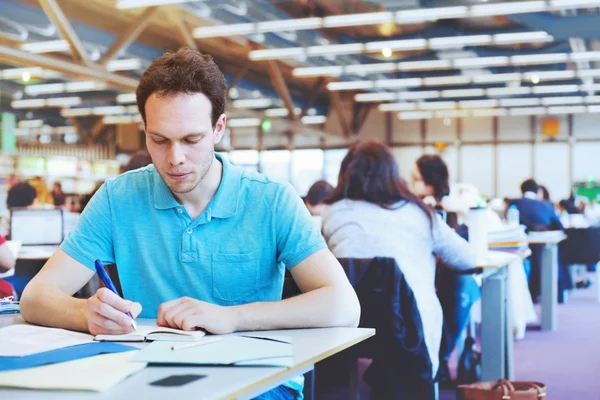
(24, 340)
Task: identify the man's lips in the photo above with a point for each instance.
(178, 176)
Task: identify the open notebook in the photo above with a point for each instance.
(151, 333)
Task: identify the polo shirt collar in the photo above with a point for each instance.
(530, 195)
(223, 205)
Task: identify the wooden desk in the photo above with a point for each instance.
(496, 336)
(549, 271)
(310, 347)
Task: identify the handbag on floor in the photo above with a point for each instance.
(502, 390)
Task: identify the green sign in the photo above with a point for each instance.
(9, 140)
(266, 125)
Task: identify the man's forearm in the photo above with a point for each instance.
(48, 306)
(324, 307)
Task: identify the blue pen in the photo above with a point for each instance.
(109, 284)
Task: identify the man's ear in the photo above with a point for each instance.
(219, 129)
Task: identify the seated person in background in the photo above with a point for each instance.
(539, 215)
(543, 194)
(21, 195)
(372, 213)
(318, 192)
(198, 243)
(7, 262)
(43, 194)
(139, 159)
(457, 292)
(58, 196)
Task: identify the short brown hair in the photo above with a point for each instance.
(183, 71)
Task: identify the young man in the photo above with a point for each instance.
(198, 243)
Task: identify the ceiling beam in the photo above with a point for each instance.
(315, 91)
(56, 15)
(22, 58)
(185, 37)
(95, 131)
(360, 115)
(281, 88)
(130, 34)
(339, 109)
(78, 127)
(238, 75)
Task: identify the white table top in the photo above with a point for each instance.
(310, 347)
(548, 237)
(36, 252)
(497, 259)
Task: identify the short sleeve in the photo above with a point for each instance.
(297, 235)
(91, 239)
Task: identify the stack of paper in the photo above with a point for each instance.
(511, 238)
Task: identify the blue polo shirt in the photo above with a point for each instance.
(233, 253)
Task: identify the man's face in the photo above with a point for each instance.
(180, 138)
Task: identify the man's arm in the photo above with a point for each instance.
(47, 300)
(328, 300)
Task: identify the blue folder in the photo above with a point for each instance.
(62, 355)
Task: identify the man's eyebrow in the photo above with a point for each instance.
(189, 135)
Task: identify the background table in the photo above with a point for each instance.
(310, 347)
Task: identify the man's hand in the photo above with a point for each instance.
(188, 314)
(106, 313)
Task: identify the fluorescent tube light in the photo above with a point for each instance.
(567, 110)
(30, 103)
(31, 123)
(274, 54)
(108, 110)
(463, 93)
(496, 78)
(513, 7)
(314, 119)
(570, 4)
(125, 98)
(401, 45)
(423, 94)
(447, 80)
(63, 101)
(522, 37)
(243, 122)
(478, 103)
(588, 73)
(527, 111)
(375, 18)
(370, 68)
(430, 14)
(397, 107)
(121, 119)
(556, 89)
(289, 24)
(480, 62)
(223, 30)
(122, 4)
(398, 83)
(333, 70)
(494, 112)
(415, 115)
(280, 112)
(49, 46)
(593, 109)
(252, 103)
(452, 114)
(459, 41)
(592, 99)
(519, 102)
(17, 73)
(539, 59)
(424, 65)
(76, 112)
(585, 56)
(129, 64)
(334, 49)
(437, 105)
(131, 109)
(381, 96)
(550, 75)
(350, 85)
(508, 91)
(562, 100)
(84, 86)
(45, 88)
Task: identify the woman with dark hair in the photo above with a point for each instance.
(372, 213)
(430, 177)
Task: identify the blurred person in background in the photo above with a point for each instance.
(317, 194)
(7, 262)
(457, 292)
(139, 159)
(43, 195)
(58, 196)
(372, 213)
(543, 194)
(21, 195)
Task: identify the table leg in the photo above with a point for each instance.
(493, 326)
(509, 336)
(309, 385)
(549, 286)
(354, 380)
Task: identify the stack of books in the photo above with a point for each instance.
(511, 238)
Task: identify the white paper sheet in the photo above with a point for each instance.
(24, 340)
(96, 373)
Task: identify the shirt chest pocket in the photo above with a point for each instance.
(236, 277)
